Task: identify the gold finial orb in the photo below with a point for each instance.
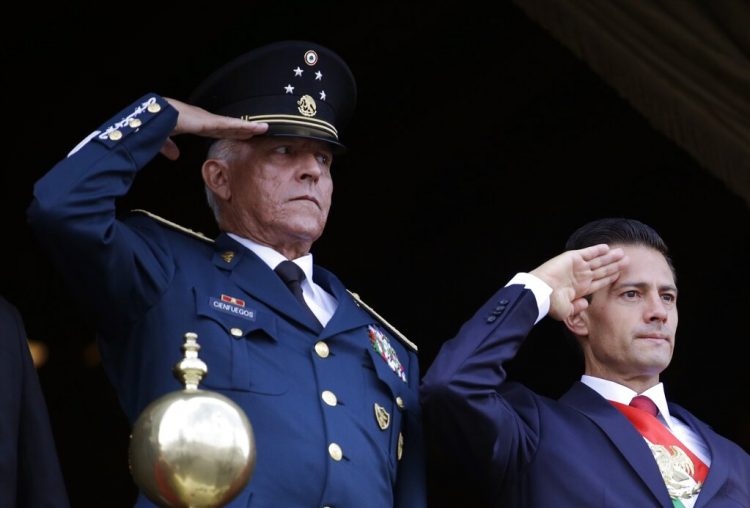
(192, 448)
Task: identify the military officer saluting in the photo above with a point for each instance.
(330, 388)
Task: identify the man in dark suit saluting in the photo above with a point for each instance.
(613, 439)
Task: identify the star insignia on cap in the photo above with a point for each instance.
(322, 95)
(298, 71)
(318, 75)
(289, 88)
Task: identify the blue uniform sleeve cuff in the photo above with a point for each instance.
(127, 121)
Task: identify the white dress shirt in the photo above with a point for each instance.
(321, 303)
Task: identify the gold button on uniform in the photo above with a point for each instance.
(400, 452)
(335, 452)
(329, 398)
(134, 123)
(322, 349)
(154, 108)
(400, 402)
(236, 332)
(115, 135)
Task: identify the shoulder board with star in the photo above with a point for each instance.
(385, 323)
(174, 225)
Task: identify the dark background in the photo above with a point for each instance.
(479, 143)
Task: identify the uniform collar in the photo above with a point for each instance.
(272, 257)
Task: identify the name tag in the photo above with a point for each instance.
(232, 308)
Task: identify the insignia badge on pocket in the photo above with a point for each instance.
(382, 416)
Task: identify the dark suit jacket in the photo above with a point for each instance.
(29, 469)
(531, 451)
(147, 283)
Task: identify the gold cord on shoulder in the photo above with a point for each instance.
(380, 318)
(174, 225)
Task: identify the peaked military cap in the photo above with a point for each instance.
(300, 88)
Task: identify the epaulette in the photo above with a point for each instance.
(174, 225)
(385, 323)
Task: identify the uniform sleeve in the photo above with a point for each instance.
(74, 218)
(474, 416)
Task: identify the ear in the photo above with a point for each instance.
(577, 324)
(216, 177)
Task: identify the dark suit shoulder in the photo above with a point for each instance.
(7, 309)
(172, 225)
(11, 329)
(401, 337)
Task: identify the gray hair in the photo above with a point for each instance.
(222, 149)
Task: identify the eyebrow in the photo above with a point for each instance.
(644, 285)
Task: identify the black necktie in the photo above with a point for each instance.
(293, 275)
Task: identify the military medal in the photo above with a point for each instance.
(382, 346)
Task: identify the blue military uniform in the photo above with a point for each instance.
(335, 410)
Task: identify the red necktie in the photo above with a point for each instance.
(645, 404)
(676, 462)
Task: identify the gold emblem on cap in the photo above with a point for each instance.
(382, 416)
(154, 107)
(115, 135)
(228, 256)
(306, 106)
(400, 452)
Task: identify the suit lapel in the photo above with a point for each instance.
(717, 472)
(348, 314)
(251, 274)
(623, 435)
